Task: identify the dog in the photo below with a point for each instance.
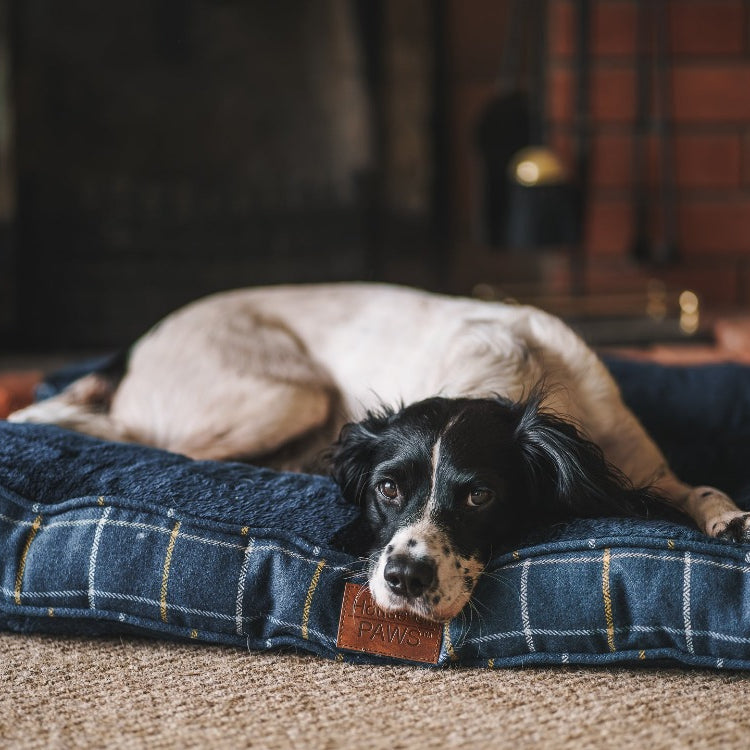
(273, 375)
(443, 482)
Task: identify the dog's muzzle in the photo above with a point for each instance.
(421, 571)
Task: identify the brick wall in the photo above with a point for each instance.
(710, 112)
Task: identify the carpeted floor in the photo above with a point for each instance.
(132, 693)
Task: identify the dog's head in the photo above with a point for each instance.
(443, 482)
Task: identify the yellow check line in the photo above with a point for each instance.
(309, 598)
(165, 572)
(22, 564)
(608, 601)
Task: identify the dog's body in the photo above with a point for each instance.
(272, 374)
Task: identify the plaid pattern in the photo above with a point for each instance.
(104, 559)
(593, 592)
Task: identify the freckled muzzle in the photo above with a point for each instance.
(420, 571)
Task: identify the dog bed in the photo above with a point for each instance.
(101, 538)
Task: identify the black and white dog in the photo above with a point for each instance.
(273, 374)
(444, 481)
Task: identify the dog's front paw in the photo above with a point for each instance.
(717, 514)
(734, 527)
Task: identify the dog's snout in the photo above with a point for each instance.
(408, 576)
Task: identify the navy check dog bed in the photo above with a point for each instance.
(101, 538)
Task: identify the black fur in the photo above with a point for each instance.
(540, 467)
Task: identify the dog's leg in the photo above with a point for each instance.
(262, 418)
(627, 445)
(211, 384)
(83, 406)
(253, 420)
(590, 395)
(222, 384)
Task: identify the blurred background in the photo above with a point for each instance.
(590, 156)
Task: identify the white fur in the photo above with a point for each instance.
(242, 374)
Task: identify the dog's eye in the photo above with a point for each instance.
(479, 497)
(388, 489)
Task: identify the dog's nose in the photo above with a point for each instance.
(408, 576)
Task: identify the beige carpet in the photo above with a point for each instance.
(132, 693)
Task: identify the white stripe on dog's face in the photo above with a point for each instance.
(424, 540)
(433, 477)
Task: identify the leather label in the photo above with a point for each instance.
(365, 627)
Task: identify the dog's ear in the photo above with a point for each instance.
(568, 475)
(352, 456)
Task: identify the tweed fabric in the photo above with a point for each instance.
(103, 538)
